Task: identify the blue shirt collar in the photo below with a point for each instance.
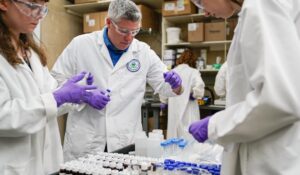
(109, 44)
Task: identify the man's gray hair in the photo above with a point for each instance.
(124, 9)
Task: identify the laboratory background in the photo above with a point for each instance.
(128, 101)
(149, 87)
(169, 27)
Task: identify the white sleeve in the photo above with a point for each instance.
(65, 65)
(270, 50)
(20, 117)
(197, 85)
(155, 76)
(220, 82)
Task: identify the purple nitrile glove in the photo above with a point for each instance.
(90, 79)
(98, 99)
(70, 92)
(173, 79)
(163, 106)
(199, 129)
(191, 97)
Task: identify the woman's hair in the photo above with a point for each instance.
(187, 57)
(25, 41)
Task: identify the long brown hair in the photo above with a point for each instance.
(25, 41)
(187, 57)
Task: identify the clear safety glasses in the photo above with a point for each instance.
(198, 3)
(125, 32)
(31, 9)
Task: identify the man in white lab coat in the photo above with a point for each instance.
(260, 128)
(184, 109)
(121, 64)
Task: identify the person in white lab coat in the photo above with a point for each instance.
(260, 126)
(220, 82)
(184, 109)
(121, 64)
(29, 136)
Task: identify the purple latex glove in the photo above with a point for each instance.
(191, 97)
(163, 106)
(98, 99)
(173, 79)
(71, 92)
(90, 79)
(199, 129)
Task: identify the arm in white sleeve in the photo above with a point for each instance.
(220, 82)
(163, 99)
(270, 50)
(155, 76)
(20, 117)
(63, 69)
(65, 65)
(197, 85)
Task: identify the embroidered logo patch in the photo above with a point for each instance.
(133, 65)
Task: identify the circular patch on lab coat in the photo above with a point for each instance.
(133, 65)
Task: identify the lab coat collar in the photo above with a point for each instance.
(133, 49)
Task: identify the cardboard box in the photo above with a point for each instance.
(149, 18)
(195, 32)
(215, 31)
(85, 1)
(230, 26)
(178, 7)
(94, 21)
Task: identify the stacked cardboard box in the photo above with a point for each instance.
(96, 21)
(178, 7)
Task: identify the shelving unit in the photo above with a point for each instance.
(150, 35)
(80, 9)
(198, 44)
(182, 21)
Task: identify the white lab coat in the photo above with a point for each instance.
(29, 135)
(120, 121)
(220, 82)
(181, 110)
(260, 127)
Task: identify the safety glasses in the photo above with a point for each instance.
(198, 3)
(31, 9)
(125, 32)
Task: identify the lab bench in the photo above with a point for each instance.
(153, 108)
(147, 108)
(207, 110)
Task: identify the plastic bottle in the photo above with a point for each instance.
(200, 63)
(62, 170)
(164, 149)
(141, 145)
(153, 145)
(144, 168)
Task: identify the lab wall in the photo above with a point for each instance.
(57, 30)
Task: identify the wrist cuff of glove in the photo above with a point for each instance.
(58, 100)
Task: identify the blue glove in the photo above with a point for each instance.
(98, 99)
(90, 79)
(191, 97)
(173, 79)
(71, 92)
(199, 129)
(163, 106)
